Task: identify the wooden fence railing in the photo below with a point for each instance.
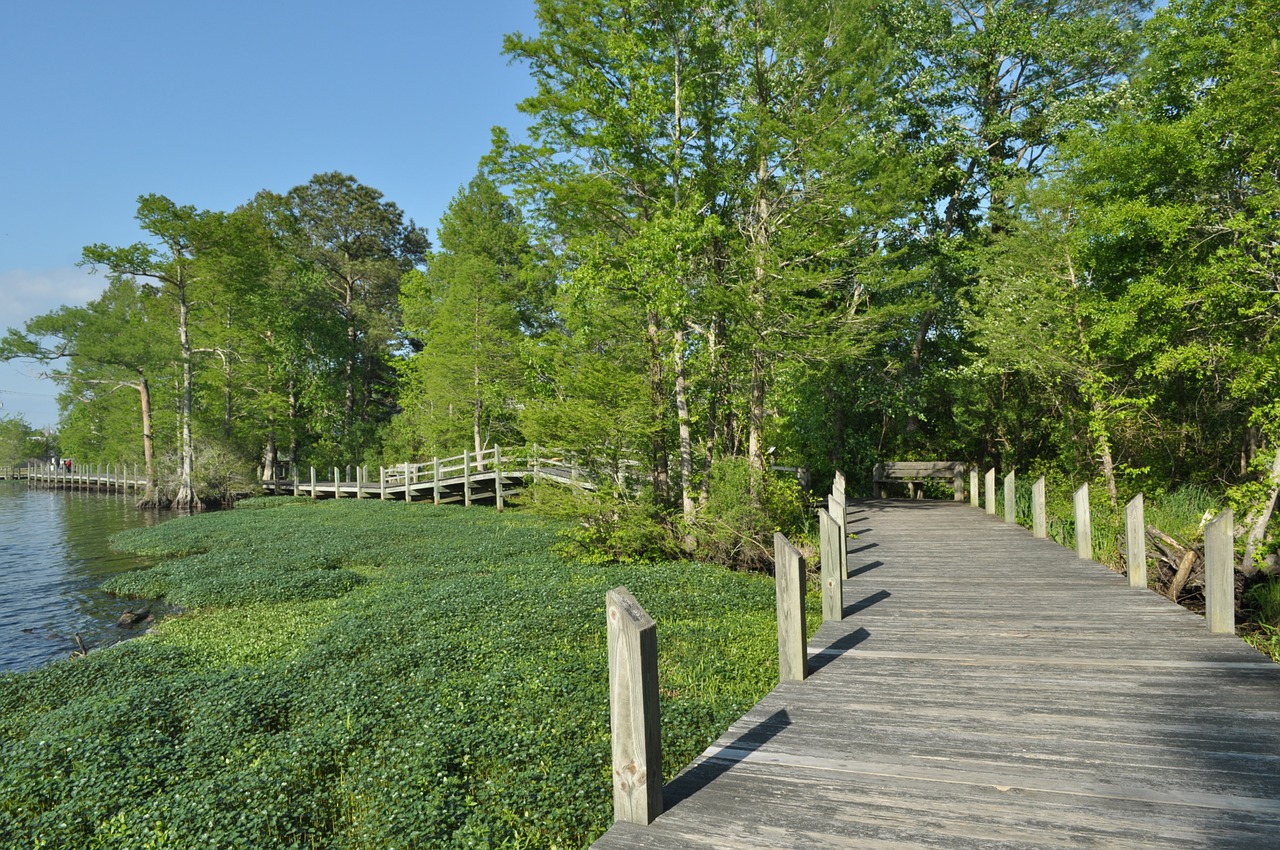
(496, 472)
(635, 727)
(1219, 541)
(102, 477)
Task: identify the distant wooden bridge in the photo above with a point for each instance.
(489, 476)
(990, 689)
(103, 478)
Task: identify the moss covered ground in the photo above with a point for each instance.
(366, 674)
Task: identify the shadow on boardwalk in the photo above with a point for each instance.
(716, 761)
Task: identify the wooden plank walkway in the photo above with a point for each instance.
(106, 479)
(989, 690)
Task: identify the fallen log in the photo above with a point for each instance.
(1180, 566)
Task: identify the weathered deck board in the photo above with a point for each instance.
(988, 689)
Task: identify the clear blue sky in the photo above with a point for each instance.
(208, 103)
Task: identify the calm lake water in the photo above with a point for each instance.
(53, 557)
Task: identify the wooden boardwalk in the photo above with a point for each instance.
(102, 478)
(989, 690)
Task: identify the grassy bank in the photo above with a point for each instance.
(366, 674)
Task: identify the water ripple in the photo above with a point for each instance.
(53, 558)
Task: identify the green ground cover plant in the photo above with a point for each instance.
(366, 674)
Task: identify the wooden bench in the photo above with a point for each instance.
(912, 471)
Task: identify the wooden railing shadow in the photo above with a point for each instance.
(865, 603)
(865, 568)
(716, 765)
(838, 647)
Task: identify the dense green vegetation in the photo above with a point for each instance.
(366, 674)
(19, 441)
(1026, 234)
(1041, 236)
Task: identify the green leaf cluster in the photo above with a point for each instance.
(454, 696)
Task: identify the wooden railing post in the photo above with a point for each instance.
(466, 479)
(832, 568)
(973, 487)
(957, 483)
(408, 491)
(313, 483)
(1219, 574)
(360, 481)
(1010, 498)
(337, 488)
(838, 485)
(435, 480)
(1084, 527)
(989, 490)
(382, 483)
(1039, 515)
(838, 509)
(1135, 536)
(497, 476)
(633, 709)
(788, 570)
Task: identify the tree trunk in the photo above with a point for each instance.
(1104, 454)
(839, 420)
(269, 456)
(914, 369)
(226, 381)
(755, 414)
(755, 419)
(761, 232)
(1252, 444)
(1258, 524)
(657, 397)
(226, 399)
(293, 423)
(349, 396)
(713, 407)
(186, 498)
(475, 418)
(150, 494)
(686, 440)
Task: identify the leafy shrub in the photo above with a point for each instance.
(456, 697)
(222, 473)
(1264, 599)
(734, 528)
(607, 526)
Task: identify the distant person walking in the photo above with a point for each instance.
(67, 464)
